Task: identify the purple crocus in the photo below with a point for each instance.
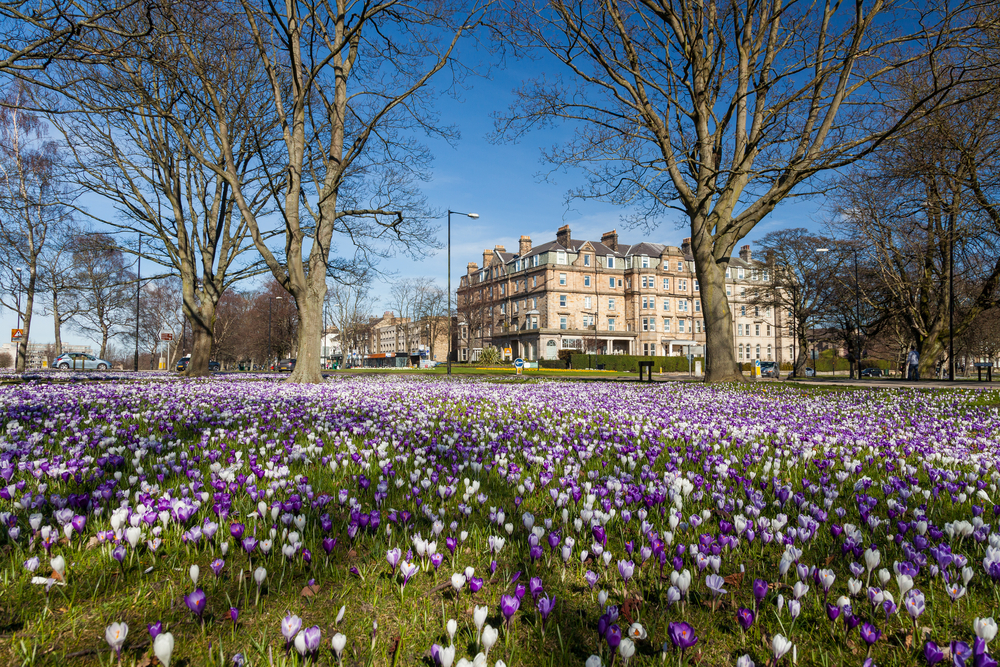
(290, 626)
(236, 530)
(196, 601)
(234, 614)
(932, 654)
(681, 635)
(745, 618)
(591, 578)
(759, 590)
(535, 587)
(545, 606)
(217, 566)
(870, 633)
(509, 605)
(154, 629)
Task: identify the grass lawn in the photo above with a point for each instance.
(573, 514)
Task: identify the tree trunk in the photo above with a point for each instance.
(104, 342)
(803, 357)
(22, 347)
(310, 309)
(929, 349)
(203, 337)
(720, 358)
(57, 322)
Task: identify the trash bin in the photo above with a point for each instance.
(600, 367)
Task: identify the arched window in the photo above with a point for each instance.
(758, 351)
(741, 351)
(769, 352)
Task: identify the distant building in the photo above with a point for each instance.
(397, 342)
(603, 297)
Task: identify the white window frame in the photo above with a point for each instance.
(562, 279)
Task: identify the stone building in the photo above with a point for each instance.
(601, 297)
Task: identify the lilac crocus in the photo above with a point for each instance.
(154, 629)
(932, 654)
(508, 606)
(745, 618)
(681, 635)
(290, 626)
(196, 601)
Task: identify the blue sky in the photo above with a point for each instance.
(501, 184)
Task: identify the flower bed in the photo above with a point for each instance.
(395, 521)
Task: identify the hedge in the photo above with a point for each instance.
(630, 363)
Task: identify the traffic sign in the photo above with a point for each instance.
(16, 335)
(519, 363)
(166, 335)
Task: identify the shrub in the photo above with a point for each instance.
(490, 357)
(630, 363)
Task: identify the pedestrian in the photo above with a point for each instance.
(913, 361)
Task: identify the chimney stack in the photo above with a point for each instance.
(487, 257)
(745, 253)
(525, 246)
(686, 247)
(610, 239)
(472, 268)
(500, 248)
(562, 236)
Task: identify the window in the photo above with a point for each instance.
(741, 275)
(619, 282)
(562, 300)
(666, 305)
(743, 292)
(534, 303)
(534, 279)
(587, 302)
(645, 261)
(756, 330)
(728, 274)
(666, 283)
(682, 284)
(515, 306)
(756, 311)
(503, 289)
(743, 311)
(697, 305)
(611, 324)
(586, 281)
(699, 325)
(586, 260)
(611, 304)
(646, 351)
(562, 323)
(611, 282)
(610, 261)
(588, 321)
(560, 256)
(729, 290)
(645, 324)
(769, 352)
(645, 302)
(680, 326)
(740, 351)
(666, 325)
(682, 305)
(503, 308)
(644, 282)
(768, 329)
(767, 275)
(697, 287)
(758, 352)
(562, 278)
(680, 266)
(739, 329)
(535, 260)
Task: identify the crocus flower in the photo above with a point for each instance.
(932, 654)
(337, 643)
(985, 629)
(196, 601)
(508, 606)
(154, 629)
(545, 606)
(234, 614)
(115, 635)
(163, 648)
(914, 603)
(217, 566)
(870, 633)
(681, 635)
(745, 618)
(290, 625)
(780, 646)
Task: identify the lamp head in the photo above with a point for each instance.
(474, 216)
(822, 250)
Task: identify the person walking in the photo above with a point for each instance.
(913, 363)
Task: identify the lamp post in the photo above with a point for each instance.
(270, 300)
(951, 300)
(138, 284)
(857, 310)
(19, 283)
(474, 216)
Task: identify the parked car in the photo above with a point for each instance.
(769, 369)
(286, 365)
(810, 372)
(871, 372)
(80, 361)
(183, 362)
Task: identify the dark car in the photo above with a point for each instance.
(183, 362)
(286, 365)
(871, 372)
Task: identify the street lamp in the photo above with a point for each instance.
(474, 216)
(20, 282)
(857, 308)
(138, 284)
(270, 300)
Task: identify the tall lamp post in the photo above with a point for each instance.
(951, 300)
(474, 216)
(857, 309)
(270, 300)
(20, 282)
(138, 285)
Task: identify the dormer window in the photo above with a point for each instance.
(645, 261)
(586, 260)
(560, 256)
(610, 262)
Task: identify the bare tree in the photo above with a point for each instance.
(800, 290)
(30, 208)
(57, 280)
(104, 284)
(349, 307)
(349, 83)
(928, 206)
(134, 127)
(718, 111)
(431, 311)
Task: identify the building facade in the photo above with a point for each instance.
(397, 342)
(39, 352)
(602, 297)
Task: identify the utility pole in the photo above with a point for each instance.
(138, 283)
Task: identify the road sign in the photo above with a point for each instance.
(166, 335)
(519, 363)
(16, 335)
